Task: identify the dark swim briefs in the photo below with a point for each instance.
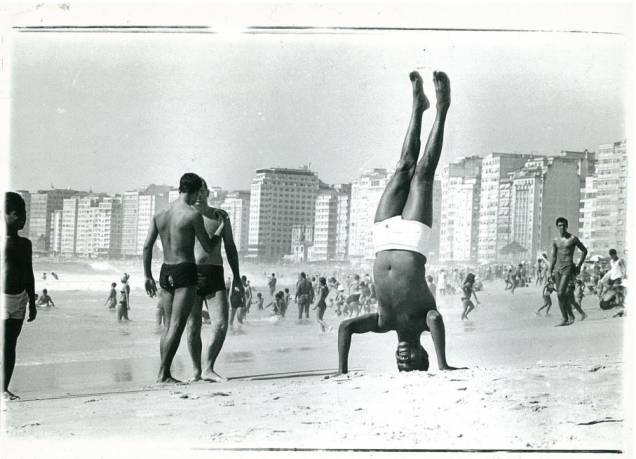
(211, 280)
(177, 276)
(563, 276)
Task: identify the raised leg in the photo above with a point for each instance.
(177, 317)
(396, 192)
(419, 203)
(563, 296)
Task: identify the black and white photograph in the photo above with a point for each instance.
(316, 228)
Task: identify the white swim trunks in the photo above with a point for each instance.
(15, 305)
(396, 233)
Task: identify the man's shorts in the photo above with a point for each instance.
(177, 276)
(211, 280)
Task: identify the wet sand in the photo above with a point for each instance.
(530, 385)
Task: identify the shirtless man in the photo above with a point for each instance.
(211, 289)
(178, 226)
(402, 222)
(18, 286)
(563, 259)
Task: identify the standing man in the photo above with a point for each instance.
(178, 227)
(19, 284)
(304, 295)
(211, 288)
(271, 284)
(563, 259)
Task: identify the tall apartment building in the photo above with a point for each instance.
(56, 232)
(148, 206)
(605, 201)
(543, 190)
(26, 195)
(325, 226)
(494, 207)
(280, 198)
(43, 204)
(366, 191)
(432, 244)
(343, 220)
(237, 205)
(459, 222)
(130, 214)
(69, 225)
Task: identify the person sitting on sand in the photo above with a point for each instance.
(18, 285)
(403, 221)
(469, 290)
(45, 300)
(111, 301)
(178, 227)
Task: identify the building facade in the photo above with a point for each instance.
(237, 205)
(43, 204)
(325, 226)
(280, 198)
(459, 221)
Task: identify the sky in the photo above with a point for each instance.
(117, 111)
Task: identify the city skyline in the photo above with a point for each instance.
(151, 107)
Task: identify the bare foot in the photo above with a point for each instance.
(213, 376)
(583, 316)
(442, 89)
(420, 101)
(449, 368)
(169, 380)
(6, 395)
(563, 323)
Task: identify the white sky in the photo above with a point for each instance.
(115, 111)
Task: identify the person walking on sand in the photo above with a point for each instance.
(111, 301)
(18, 285)
(469, 290)
(547, 299)
(321, 304)
(401, 228)
(211, 289)
(178, 227)
(563, 260)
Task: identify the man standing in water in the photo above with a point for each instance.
(178, 227)
(563, 259)
(402, 223)
(211, 288)
(19, 285)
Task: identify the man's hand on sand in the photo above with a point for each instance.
(151, 287)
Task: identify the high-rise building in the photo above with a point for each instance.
(494, 214)
(459, 222)
(543, 190)
(43, 204)
(325, 226)
(26, 195)
(149, 205)
(56, 232)
(69, 225)
(366, 192)
(343, 221)
(130, 215)
(431, 247)
(237, 205)
(280, 198)
(605, 202)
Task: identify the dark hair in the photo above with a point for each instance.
(612, 251)
(286, 290)
(13, 202)
(470, 278)
(190, 183)
(45, 291)
(303, 275)
(323, 281)
(244, 278)
(114, 284)
(562, 220)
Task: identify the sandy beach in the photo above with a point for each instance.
(531, 386)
